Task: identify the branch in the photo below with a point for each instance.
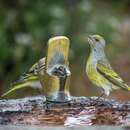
(80, 111)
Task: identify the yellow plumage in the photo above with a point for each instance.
(99, 70)
(28, 79)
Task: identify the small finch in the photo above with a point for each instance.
(98, 69)
(57, 57)
(28, 79)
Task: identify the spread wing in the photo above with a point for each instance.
(28, 79)
(106, 71)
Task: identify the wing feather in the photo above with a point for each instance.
(28, 79)
(106, 71)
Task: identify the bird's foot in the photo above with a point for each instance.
(98, 100)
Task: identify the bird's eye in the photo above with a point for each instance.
(97, 40)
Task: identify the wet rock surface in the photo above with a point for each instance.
(79, 112)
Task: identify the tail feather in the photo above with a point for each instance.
(33, 84)
(16, 87)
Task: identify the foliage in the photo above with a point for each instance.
(26, 25)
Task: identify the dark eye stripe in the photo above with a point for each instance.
(97, 40)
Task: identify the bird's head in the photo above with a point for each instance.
(96, 41)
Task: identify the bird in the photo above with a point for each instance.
(99, 70)
(28, 79)
(56, 60)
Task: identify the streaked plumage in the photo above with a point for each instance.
(28, 79)
(46, 72)
(99, 70)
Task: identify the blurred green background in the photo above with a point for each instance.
(26, 26)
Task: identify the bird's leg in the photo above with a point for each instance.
(102, 94)
(103, 102)
(97, 99)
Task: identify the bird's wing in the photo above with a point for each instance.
(106, 71)
(28, 79)
(38, 65)
(22, 85)
(32, 73)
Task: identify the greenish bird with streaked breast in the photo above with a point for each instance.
(99, 70)
(56, 60)
(28, 79)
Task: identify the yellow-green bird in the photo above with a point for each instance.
(57, 55)
(99, 70)
(28, 79)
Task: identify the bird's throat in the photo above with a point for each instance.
(98, 54)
